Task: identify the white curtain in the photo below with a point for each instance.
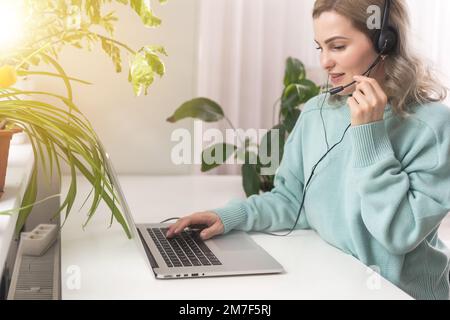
(430, 30)
(243, 45)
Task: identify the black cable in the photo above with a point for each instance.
(306, 187)
(321, 116)
(174, 218)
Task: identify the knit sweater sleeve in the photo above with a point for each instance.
(277, 209)
(402, 200)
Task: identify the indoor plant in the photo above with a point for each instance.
(6, 133)
(296, 91)
(59, 132)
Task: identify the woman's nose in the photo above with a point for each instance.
(326, 61)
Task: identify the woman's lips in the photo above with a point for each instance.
(335, 79)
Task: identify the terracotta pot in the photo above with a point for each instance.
(5, 139)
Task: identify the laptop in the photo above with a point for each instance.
(188, 256)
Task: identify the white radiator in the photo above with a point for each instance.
(36, 277)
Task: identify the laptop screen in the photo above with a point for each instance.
(124, 205)
(117, 189)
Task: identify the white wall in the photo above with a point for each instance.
(134, 129)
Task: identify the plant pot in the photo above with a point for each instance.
(5, 139)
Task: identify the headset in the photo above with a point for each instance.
(385, 42)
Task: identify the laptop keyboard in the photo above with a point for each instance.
(185, 249)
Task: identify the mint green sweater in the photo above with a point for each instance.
(380, 195)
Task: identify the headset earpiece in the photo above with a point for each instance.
(386, 40)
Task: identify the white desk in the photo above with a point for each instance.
(20, 163)
(100, 263)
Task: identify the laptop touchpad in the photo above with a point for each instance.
(236, 241)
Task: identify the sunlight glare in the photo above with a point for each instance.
(11, 23)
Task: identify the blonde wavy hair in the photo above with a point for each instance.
(409, 81)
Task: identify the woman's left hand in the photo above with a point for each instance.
(367, 102)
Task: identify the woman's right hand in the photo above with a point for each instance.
(209, 218)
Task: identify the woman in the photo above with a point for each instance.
(381, 194)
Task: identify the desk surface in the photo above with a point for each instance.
(101, 263)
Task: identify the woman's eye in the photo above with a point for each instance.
(334, 48)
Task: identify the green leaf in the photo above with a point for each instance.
(28, 198)
(143, 9)
(267, 182)
(144, 65)
(306, 90)
(113, 52)
(246, 156)
(216, 155)
(297, 93)
(295, 71)
(156, 49)
(92, 8)
(50, 74)
(250, 179)
(74, 138)
(290, 99)
(198, 108)
(142, 74)
(290, 119)
(155, 64)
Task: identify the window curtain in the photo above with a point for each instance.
(430, 33)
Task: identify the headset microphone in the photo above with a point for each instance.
(336, 90)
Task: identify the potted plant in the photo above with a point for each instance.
(296, 91)
(59, 132)
(6, 133)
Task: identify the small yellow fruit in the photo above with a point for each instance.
(8, 76)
